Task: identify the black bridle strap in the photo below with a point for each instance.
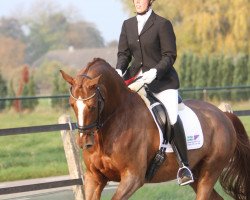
(86, 76)
(85, 128)
(100, 100)
(100, 107)
(98, 123)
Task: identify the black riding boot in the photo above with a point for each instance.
(184, 175)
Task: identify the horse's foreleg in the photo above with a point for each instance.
(93, 186)
(128, 185)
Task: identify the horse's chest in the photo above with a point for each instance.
(106, 167)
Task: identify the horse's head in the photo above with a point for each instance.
(87, 101)
(95, 85)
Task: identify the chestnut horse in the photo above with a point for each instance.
(126, 139)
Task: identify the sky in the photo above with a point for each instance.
(107, 15)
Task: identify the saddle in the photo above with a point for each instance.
(162, 119)
(160, 115)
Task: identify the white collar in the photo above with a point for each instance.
(144, 18)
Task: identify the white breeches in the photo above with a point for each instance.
(169, 98)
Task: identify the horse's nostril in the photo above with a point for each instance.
(89, 140)
(87, 146)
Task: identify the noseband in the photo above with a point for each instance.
(100, 99)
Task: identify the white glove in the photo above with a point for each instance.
(149, 76)
(137, 85)
(119, 72)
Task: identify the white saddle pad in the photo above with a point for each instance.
(191, 123)
(192, 127)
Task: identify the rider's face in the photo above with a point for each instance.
(141, 5)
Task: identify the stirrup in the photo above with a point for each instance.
(189, 178)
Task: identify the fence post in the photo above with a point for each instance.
(72, 156)
(204, 94)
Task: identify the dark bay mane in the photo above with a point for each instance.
(94, 61)
(99, 66)
(91, 64)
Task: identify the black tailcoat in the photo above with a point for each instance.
(155, 47)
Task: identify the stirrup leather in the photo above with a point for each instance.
(179, 179)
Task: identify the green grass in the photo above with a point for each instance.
(31, 155)
(169, 190)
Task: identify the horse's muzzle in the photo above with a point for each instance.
(89, 140)
(85, 140)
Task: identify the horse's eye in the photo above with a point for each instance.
(92, 108)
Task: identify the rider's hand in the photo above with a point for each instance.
(119, 72)
(149, 76)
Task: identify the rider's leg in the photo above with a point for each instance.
(170, 100)
(184, 175)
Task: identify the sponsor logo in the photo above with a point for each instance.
(196, 136)
(189, 138)
(193, 139)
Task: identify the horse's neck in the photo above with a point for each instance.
(121, 108)
(115, 97)
(119, 102)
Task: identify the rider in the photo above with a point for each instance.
(150, 40)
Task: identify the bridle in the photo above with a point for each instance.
(100, 105)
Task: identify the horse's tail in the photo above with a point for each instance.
(235, 178)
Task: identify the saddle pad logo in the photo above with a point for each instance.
(193, 139)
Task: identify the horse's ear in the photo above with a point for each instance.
(94, 82)
(67, 77)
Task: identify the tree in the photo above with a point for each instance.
(52, 28)
(12, 46)
(189, 70)
(240, 76)
(11, 28)
(45, 34)
(210, 26)
(25, 93)
(44, 75)
(11, 54)
(30, 91)
(248, 68)
(201, 75)
(248, 79)
(11, 93)
(22, 88)
(213, 78)
(59, 87)
(81, 34)
(227, 69)
(3, 92)
(183, 69)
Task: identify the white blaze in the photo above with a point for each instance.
(80, 106)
